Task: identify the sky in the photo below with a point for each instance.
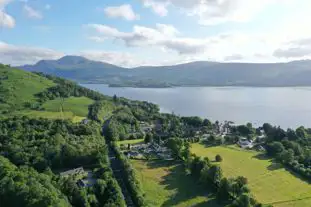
(155, 32)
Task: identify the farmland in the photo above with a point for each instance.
(166, 184)
(77, 105)
(268, 181)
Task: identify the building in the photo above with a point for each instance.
(85, 121)
(245, 143)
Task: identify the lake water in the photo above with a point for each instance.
(287, 107)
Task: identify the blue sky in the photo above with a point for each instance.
(155, 32)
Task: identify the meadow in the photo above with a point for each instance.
(166, 184)
(269, 181)
(77, 105)
(134, 141)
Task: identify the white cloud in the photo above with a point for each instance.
(6, 20)
(233, 57)
(19, 55)
(117, 58)
(124, 11)
(294, 49)
(159, 8)
(32, 13)
(211, 12)
(163, 36)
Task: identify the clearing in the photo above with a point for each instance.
(77, 105)
(166, 184)
(131, 141)
(269, 182)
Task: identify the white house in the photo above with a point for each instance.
(245, 143)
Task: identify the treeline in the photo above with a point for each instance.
(33, 150)
(131, 181)
(291, 147)
(65, 89)
(233, 191)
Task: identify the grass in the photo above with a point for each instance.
(166, 184)
(269, 182)
(77, 105)
(49, 115)
(106, 110)
(134, 141)
(18, 87)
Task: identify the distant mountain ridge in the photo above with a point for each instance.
(201, 73)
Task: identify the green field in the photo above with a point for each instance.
(268, 181)
(166, 184)
(18, 87)
(134, 141)
(49, 115)
(77, 105)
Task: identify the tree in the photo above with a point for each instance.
(223, 192)
(267, 127)
(275, 148)
(115, 98)
(244, 130)
(218, 158)
(301, 132)
(287, 156)
(148, 138)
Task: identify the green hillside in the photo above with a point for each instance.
(20, 95)
(18, 88)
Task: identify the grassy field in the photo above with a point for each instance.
(269, 181)
(166, 184)
(77, 105)
(49, 115)
(134, 141)
(18, 87)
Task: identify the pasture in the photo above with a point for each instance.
(166, 184)
(77, 105)
(269, 182)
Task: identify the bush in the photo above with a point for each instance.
(218, 158)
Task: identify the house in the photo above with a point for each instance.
(245, 143)
(261, 138)
(76, 171)
(85, 121)
(88, 181)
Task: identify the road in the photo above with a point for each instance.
(115, 165)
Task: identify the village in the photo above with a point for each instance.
(157, 150)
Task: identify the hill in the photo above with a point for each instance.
(20, 95)
(203, 73)
(19, 87)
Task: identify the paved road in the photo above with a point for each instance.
(115, 165)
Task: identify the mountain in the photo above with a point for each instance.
(202, 73)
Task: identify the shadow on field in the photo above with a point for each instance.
(261, 156)
(185, 186)
(275, 165)
(209, 203)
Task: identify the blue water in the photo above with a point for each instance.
(286, 107)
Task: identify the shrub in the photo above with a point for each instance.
(218, 158)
